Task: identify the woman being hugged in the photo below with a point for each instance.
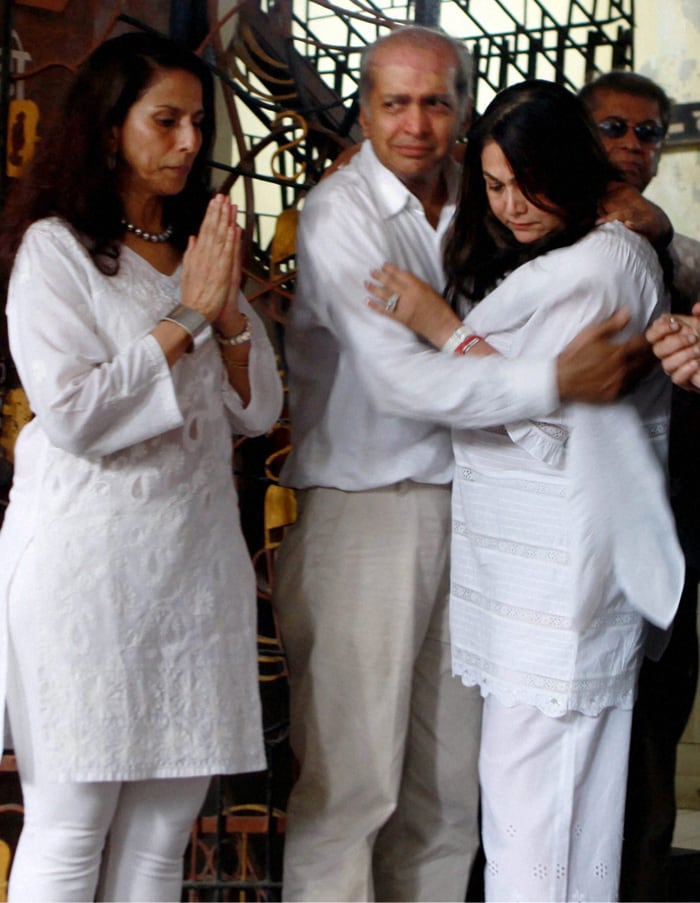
(129, 647)
(563, 547)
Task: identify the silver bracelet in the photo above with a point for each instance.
(190, 320)
(245, 335)
(460, 333)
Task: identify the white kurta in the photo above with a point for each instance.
(562, 533)
(143, 600)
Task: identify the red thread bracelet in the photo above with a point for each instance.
(467, 343)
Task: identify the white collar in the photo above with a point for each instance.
(391, 193)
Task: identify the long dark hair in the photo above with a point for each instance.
(72, 176)
(559, 164)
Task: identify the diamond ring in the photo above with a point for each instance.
(392, 303)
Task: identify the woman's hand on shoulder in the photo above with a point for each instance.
(398, 294)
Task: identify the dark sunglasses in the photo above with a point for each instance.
(646, 132)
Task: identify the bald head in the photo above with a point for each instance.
(420, 38)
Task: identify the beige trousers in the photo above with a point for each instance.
(386, 804)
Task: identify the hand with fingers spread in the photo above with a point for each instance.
(398, 294)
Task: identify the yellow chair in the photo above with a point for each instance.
(5, 858)
(15, 414)
(279, 512)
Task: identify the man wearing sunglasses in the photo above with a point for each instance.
(633, 114)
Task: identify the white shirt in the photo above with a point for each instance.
(143, 603)
(563, 536)
(369, 401)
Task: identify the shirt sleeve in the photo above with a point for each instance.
(548, 301)
(338, 244)
(89, 400)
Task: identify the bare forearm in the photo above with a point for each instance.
(236, 361)
(233, 333)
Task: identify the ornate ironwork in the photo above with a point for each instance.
(293, 69)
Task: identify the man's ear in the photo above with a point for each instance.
(113, 139)
(467, 117)
(363, 119)
(112, 148)
(656, 159)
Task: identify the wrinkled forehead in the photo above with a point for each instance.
(400, 65)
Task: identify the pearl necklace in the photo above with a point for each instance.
(148, 236)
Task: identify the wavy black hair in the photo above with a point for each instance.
(71, 176)
(559, 163)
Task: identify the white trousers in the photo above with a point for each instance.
(130, 836)
(386, 804)
(553, 802)
(61, 852)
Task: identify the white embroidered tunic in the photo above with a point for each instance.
(144, 600)
(562, 534)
